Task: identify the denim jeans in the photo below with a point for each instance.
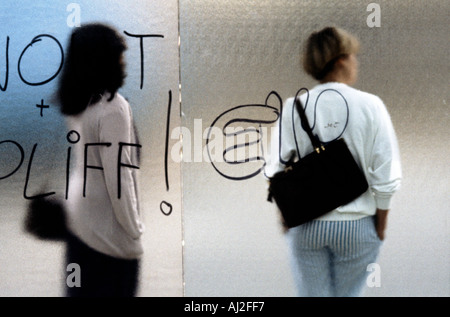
(330, 258)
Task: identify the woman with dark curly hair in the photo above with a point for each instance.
(103, 216)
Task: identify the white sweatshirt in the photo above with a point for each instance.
(365, 126)
(96, 214)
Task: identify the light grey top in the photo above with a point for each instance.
(367, 129)
(96, 214)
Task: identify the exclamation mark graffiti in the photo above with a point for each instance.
(166, 207)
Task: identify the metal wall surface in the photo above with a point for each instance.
(210, 230)
(235, 53)
(29, 267)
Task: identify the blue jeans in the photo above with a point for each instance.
(330, 258)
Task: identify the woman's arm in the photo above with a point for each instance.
(120, 175)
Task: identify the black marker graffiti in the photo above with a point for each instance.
(141, 44)
(294, 113)
(73, 137)
(166, 154)
(258, 131)
(22, 156)
(27, 178)
(86, 166)
(34, 41)
(165, 204)
(316, 104)
(120, 165)
(3, 88)
(42, 107)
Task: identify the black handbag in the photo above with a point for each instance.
(317, 183)
(45, 219)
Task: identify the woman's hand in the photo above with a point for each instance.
(381, 223)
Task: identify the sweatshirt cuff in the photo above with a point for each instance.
(383, 202)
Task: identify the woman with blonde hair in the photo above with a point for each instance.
(330, 255)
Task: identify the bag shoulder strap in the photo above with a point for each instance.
(305, 125)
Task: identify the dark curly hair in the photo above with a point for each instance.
(93, 67)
